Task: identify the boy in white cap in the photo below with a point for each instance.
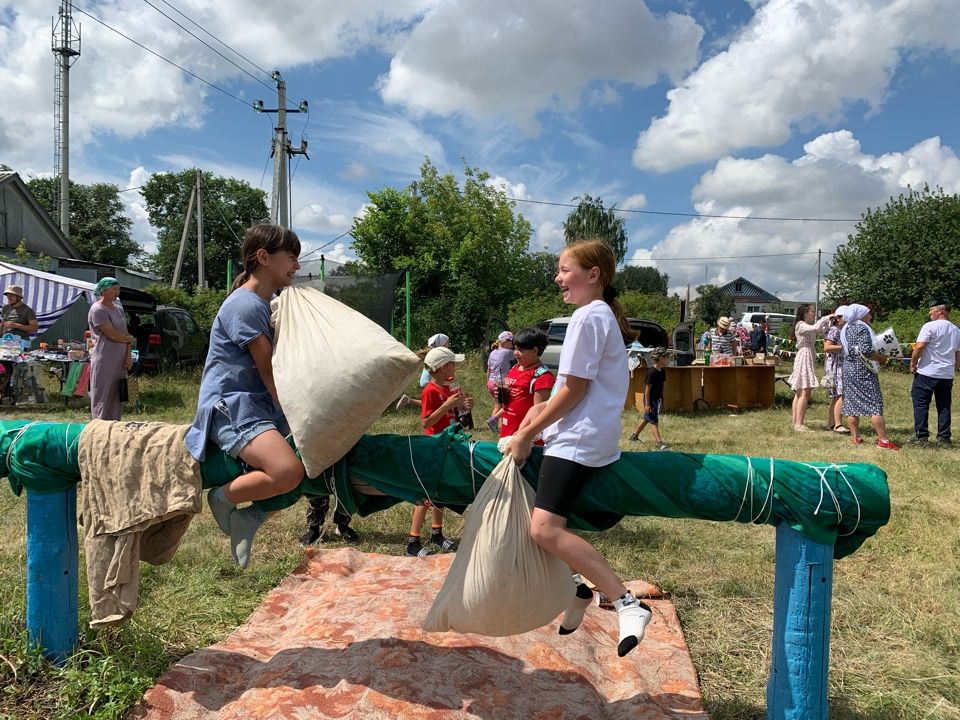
(438, 409)
(435, 341)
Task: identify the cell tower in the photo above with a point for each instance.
(65, 44)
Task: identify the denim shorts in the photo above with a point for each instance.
(232, 439)
(652, 415)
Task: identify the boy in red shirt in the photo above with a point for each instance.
(438, 409)
(528, 383)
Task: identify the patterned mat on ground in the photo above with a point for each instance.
(341, 637)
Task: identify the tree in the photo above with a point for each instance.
(99, 227)
(902, 255)
(230, 206)
(462, 245)
(642, 279)
(591, 220)
(712, 303)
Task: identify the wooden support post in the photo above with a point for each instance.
(52, 557)
(803, 586)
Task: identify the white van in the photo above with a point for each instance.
(773, 320)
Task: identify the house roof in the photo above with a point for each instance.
(743, 289)
(12, 178)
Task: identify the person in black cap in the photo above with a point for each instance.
(933, 363)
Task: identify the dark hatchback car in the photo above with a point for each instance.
(168, 336)
(651, 333)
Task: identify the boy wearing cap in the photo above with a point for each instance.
(438, 406)
(18, 317)
(438, 340)
(653, 397)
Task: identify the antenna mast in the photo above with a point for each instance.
(65, 43)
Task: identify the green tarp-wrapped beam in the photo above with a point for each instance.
(840, 505)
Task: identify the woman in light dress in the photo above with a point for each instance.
(833, 362)
(803, 379)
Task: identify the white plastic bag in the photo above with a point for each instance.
(336, 371)
(501, 583)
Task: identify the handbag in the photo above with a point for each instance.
(871, 365)
(123, 389)
(828, 382)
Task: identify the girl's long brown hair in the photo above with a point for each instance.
(596, 253)
(272, 238)
(801, 311)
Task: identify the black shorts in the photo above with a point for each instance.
(560, 484)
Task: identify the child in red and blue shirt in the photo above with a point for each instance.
(528, 383)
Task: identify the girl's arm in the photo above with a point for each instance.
(540, 396)
(262, 351)
(831, 347)
(565, 399)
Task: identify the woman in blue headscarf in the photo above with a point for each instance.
(110, 357)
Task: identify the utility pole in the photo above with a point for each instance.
(66, 46)
(280, 152)
(201, 275)
(183, 238)
(817, 303)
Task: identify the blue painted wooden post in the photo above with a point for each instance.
(803, 586)
(52, 556)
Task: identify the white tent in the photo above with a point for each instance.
(49, 295)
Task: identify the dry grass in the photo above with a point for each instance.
(895, 650)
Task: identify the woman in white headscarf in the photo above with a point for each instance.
(861, 386)
(832, 364)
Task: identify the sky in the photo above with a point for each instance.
(677, 111)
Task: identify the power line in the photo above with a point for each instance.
(693, 215)
(235, 52)
(199, 39)
(302, 257)
(721, 257)
(166, 60)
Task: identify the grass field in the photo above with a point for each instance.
(895, 645)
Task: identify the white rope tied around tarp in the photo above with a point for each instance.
(748, 490)
(415, 473)
(20, 432)
(471, 446)
(824, 483)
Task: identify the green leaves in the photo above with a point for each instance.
(590, 219)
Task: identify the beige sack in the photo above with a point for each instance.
(500, 582)
(336, 371)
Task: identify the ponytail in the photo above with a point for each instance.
(240, 280)
(629, 334)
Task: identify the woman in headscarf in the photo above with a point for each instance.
(832, 364)
(110, 358)
(861, 386)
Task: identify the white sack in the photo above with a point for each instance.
(336, 371)
(500, 582)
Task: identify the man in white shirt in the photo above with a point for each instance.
(933, 364)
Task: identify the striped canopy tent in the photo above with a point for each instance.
(49, 295)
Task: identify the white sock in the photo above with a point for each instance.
(634, 616)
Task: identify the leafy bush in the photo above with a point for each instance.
(536, 307)
(202, 305)
(664, 310)
(906, 323)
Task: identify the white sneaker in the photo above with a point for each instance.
(403, 402)
(634, 616)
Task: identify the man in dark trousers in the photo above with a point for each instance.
(758, 338)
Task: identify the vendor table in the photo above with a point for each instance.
(736, 387)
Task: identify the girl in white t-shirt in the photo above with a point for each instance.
(581, 428)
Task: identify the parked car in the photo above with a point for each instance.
(651, 332)
(167, 337)
(773, 320)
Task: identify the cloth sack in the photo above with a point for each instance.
(500, 582)
(335, 370)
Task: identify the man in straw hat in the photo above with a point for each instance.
(18, 317)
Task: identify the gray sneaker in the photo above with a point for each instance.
(662, 446)
(243, 526)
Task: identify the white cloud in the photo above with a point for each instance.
(796, 60)
(503, 58)
(634, 202)
(833, 179)
(320, 219)
(549, 237)
(517, 191)
(355, 171)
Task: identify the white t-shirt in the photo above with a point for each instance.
(939, 359)
(593, 349)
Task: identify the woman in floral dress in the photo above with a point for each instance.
(861, 386)
(803, 379)
(832, 364)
